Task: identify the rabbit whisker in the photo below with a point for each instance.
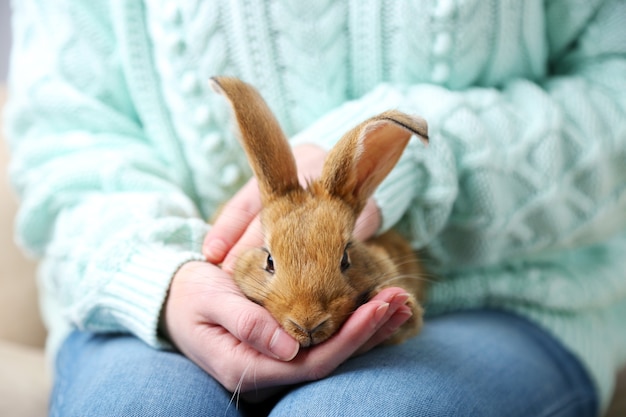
(253, 281)
(237, 391)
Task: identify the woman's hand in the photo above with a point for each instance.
(240, 344)
(239, 227)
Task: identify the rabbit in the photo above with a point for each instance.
(311, 274)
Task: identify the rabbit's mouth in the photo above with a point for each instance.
(313, 323)
(310, 333)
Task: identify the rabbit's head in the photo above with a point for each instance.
(310, 273)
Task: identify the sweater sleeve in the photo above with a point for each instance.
(530, 167)
(102, 205)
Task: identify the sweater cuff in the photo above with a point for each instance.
(136, 296)
(128, 290)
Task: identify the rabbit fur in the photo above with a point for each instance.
(311, 274)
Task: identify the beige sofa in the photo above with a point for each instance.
(24, 380)
(24, 376)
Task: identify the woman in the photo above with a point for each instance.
(120, 152)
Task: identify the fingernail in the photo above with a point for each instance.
(215, 250)
(381, 311)
(401, 298)
(283, 346)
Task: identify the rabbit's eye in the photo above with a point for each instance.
(269, 264)
(345, 261)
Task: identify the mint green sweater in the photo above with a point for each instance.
(121, 151)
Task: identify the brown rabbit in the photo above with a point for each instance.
(311, 274)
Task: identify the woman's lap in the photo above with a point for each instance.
(481, 363)
(465, 364)
(119, 375)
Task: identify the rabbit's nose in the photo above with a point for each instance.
(309, 330)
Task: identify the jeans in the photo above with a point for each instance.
(476, 363)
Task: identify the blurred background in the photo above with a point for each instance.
(5, 39)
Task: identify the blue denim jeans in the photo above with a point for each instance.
(478, 363)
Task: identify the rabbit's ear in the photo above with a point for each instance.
(366, 154)
(264, 142)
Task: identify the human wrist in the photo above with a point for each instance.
(186, 268)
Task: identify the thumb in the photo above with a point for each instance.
(256, 327)
(250, 323)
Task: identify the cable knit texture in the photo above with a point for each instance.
(120, 150)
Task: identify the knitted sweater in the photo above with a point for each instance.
(121, 151)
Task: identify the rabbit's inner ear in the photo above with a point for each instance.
(364, 156)
(380, 144)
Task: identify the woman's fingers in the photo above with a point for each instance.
(232, 223)
(254, 326)
(251, 238)
(248, 322)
